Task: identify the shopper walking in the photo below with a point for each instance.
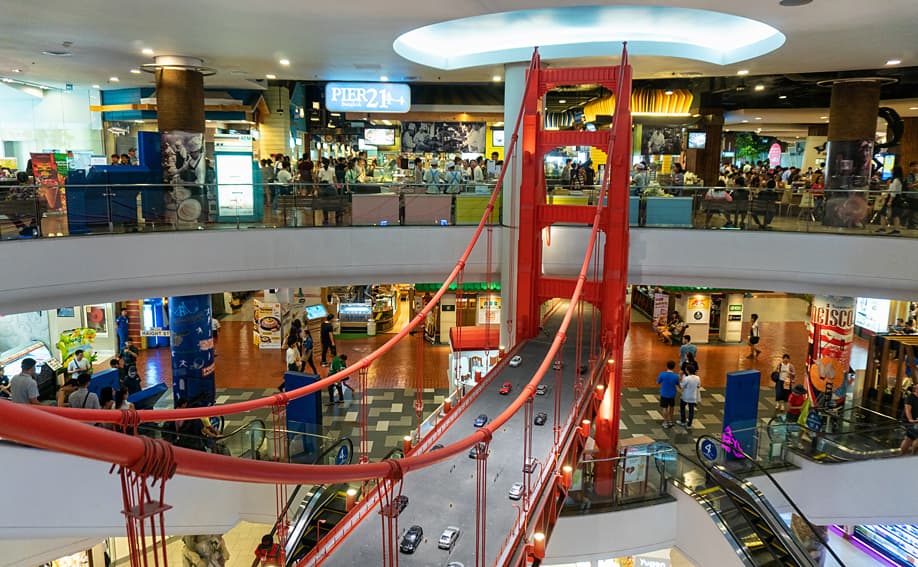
(308, 346)
(910, 443)
(83, 398)
(338, 364)
(668, 380)
(687, 348)
(292, 355)
(691, 395)
(78, 365)
(23, 387)
(786, 375)
(327, 338)
(122, 323)
(754, 337)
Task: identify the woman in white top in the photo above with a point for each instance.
(895, 201)
(691, 395)
(754, 337)
(787, 374)
(293, 355)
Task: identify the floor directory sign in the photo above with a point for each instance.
(237, 196)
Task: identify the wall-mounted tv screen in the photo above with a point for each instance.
(497, 138)
(316, 312)
(379, 136)
(697, 140)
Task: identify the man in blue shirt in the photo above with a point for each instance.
(668, 380)
(121, 324)
(687, 347)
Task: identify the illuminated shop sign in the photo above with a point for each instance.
(367, 97)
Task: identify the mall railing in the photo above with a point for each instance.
(26, 212)
(853, 434)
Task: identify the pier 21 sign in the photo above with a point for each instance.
(367, 97)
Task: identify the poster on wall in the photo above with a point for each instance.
(185, 170)
(267, 324)
(49, 180)
(847, 175)
(449, 137)
(489, 310)
(661, 140)
(76, 339)
(660, 308)
(698, 309)
(96, 319)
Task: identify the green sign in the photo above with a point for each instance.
(735, 308)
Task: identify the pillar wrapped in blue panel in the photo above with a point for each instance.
(304, 416)
(192, 349)
(741, 412)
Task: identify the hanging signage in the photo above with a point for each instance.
(367, 97)
(660, 308)
(488, 309)
(774, 155)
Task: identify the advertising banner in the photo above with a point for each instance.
(657, 141)
(847, 177)
(267, 325)
(49, 180)
(489, 315)
(450, 137)
(660, 308)
(185, 169)
(774, 155)
(368, 97)
(698, 309)
(831, 333)
(74, 340)
(192, 349)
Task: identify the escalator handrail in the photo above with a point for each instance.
(823, 540)
(203, 439)
(753, 496)
(774, 424)
(741, 550)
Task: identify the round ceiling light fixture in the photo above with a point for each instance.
(56, 53)
(178, 62)
(583, 31)
(792, 3)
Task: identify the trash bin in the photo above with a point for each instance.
(371, 328)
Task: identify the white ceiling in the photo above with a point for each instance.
(352, 40)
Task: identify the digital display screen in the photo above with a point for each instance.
(697, 140)
(497, 138)
(234, 185)
(316, 311)
(379, 136)
(872, 314)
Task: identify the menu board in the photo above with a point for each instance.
(379, 136)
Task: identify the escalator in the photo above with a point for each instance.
(246, 441)
(760, 535)
(320, 509)
(855, 434)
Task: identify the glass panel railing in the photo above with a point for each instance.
(114, 208)
(117, 209)
(841, 435)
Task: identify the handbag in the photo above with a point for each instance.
(775, 376)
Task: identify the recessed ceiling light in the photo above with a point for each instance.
(114, 79)
(496, 78)
(562, 101)
(383, 78)
(284, 62)
(894, 62)
(56, 53)
(743, 72)
(17, 70)
(823, 117)
(758, 117)
(913, 108)
(782, 97)
(760, 87)
(96, 87)
(314, 118)
(135, 71)
(335, 114)
(745, 121)
(147, 51)
(668, 92)
(270, 76)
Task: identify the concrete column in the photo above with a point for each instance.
(180, 117)
(514, 85)
(907, 149)
(852, 132)
(706, 163)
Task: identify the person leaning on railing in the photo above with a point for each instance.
(764, 204)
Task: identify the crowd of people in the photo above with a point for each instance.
(300, 353)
